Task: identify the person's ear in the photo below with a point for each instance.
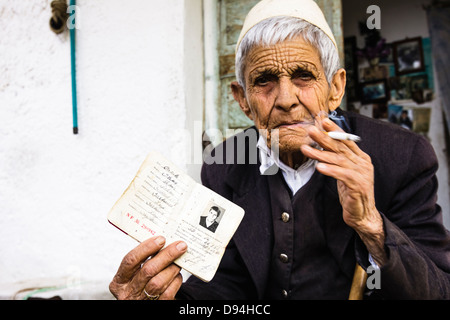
(239, 96)
(337, 89)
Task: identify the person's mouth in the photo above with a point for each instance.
(294, 124)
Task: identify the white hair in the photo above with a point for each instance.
(278, 29)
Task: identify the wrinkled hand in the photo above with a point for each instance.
(351, 167)
(354, 172)
(159, 276)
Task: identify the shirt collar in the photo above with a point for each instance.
(268, 159)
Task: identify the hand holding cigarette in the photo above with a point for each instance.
(342, 159)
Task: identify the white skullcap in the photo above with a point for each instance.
(307, 10)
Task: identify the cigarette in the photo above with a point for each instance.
(343, 136)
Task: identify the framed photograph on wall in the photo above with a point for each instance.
(421, 119)
(408, 56)
(375, 91)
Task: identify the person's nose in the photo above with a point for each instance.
(286, 97)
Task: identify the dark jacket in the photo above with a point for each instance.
(417, 244)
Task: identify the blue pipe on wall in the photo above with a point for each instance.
(73, 68)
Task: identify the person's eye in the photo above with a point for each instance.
(264, 80)
(304, 76)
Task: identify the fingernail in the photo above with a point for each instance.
(160, 241)
(181, 246)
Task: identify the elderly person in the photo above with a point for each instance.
(334, 203)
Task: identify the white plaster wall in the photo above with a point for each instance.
(56, 188)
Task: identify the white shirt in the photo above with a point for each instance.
(295, 179)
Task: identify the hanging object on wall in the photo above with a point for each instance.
(59, 16)
(60, 20)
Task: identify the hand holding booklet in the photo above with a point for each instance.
(163, 200)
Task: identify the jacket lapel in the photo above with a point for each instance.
(339, 236)
(253, 238)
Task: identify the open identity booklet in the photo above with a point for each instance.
(163, 200)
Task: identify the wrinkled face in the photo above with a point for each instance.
(286, 89)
